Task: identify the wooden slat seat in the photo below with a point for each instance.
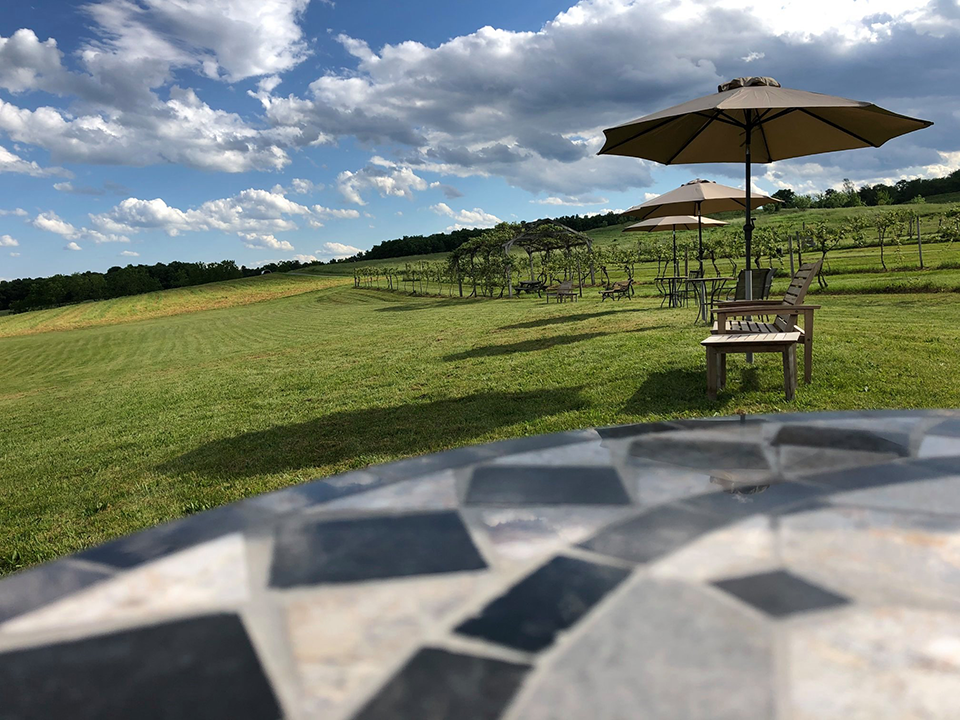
(718, 346)
(788, 311)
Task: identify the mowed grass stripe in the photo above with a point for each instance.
(110, 429)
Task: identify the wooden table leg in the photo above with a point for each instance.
(808, 347)
(790, 372)
(722, 361)
(711, 373)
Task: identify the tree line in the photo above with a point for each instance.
(900, 193)
(35, 293)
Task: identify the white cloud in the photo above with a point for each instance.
(476, 218)
(339, 213)
(571, 201)
(337, 250)
(19, 212)
(51, 222)
(14, 254)
(389, 179)
(12, 163)
(306, 258)
(235, 38)
(302, 186)
(257, 241)
(753, 56)
(129, 253)
(72, 246)
(7, 241)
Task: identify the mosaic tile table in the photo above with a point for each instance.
(794, 566)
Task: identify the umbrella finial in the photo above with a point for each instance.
(747, 82)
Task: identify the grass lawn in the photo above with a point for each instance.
(108, 429)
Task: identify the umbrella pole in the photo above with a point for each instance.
(700, 237)
(748, 225)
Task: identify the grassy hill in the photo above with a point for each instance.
(160, 304)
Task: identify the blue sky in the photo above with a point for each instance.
(260, 130)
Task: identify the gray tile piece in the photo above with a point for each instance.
(312, 552)
(743, 501)
(779, 593)
(31, 589)
(934, 496)
(654, 533)
(949, 428)
(902, 471)
(939, 446)
(617, 432)
(532, 485)
(660, 649)
(707, 453)
(438, 684)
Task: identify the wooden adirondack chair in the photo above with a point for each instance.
(787, 312)
(562, 291)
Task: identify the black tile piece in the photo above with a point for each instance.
(655, 533)
(843, 439)
(623, 431)
(713, 422)
(441, 685)
(553, 598)
(777, 497)
(950, 428)
(780, 593)
(707, 455)
(536, 485)
(30, 589)
(202, 667)
(339, 551)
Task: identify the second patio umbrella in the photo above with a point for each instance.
(674, 222)
(755, 120)
(696, 198)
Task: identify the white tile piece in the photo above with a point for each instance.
(581, 454)
(209, 576)
(431, 492)
(525, 534)
(875, 556)
(874, 664)
(939, 446)
(745, 548)
(941, 495)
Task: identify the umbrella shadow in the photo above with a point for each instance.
(538, 344)
(354, 438)
(546, 322)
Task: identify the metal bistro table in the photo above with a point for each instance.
(707, 301)
(748, 567)
(672, 285)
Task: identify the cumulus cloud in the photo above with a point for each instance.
(255, 215)
(388, 178)
(51, 222)
(571, 201)
(476, 218)
(19, 212)
(337, 250)
(12, 163)
(129, 253)
(72, 246)
(7, 241)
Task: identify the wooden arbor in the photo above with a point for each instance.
(546, 236)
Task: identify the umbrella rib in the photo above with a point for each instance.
(766, 145)
(692, 138)
(728, 119)
(837, 127)
(642, 132)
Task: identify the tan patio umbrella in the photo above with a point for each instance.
(695, 198)
(755, 120)
(673, 222)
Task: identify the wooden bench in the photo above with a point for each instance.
(562, 291)
(531, 286)
(618, 290)
(719, 346)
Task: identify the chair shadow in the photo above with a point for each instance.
(545, 322)
(668, 392)
(358, 437)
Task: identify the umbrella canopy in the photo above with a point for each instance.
(785, 123)
(696, 198)
(673, 222)
(754, 119)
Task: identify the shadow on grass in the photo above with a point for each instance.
(371, 435)
(538, 344)
(401, 306)
(683, 389)
(545, 322)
